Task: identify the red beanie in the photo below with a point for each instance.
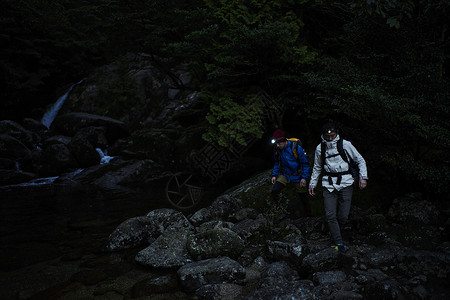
(278, 136)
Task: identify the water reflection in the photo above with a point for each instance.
(51, 227)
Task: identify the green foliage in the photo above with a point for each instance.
(243, 48)
(232, 122)
(379, 66)
(407, 133)
(401, 13)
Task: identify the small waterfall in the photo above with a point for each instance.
(104, 159)
(50, 115)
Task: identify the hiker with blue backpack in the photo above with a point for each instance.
(337, 157)
(290, 166)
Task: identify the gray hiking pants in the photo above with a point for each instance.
(337, 208)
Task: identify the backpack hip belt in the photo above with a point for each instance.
(336, 174)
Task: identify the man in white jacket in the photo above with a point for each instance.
(337, 180)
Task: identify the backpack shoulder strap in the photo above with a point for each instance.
(295, 142)
(294, 148)
(323, 147)
(340, 147)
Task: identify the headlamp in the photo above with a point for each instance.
(330, 131)
(278, 139)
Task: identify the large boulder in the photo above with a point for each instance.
(84, 152)
(14, 149)
(144, 230)
(131, 233)
(28, 138)
(413, 209)
(70, 123)
(167, 251)
(215, 242)
(327, 259)
(8, 177)
(210, 271)
(56, 159)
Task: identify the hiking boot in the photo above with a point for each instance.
(342, 248)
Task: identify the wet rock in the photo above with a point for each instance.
(214, 243)
(56, 159)
(223, 207)
(146, 229)
(311, 226)
(417, 236)
(345, 295)
(278, 254)
(132, 232)
(210, 271)
(329, 277)
(70, 123)
(8, 177)
(291, 247)
(224, 291)
(83, 151)
(57, 139)
(245, 213)
(200, 216)
(214, 225)
(278, 273)
(426, 263)
(13, 129)
(324, 260)
(300, 289)
(371, 222)
(118, 178)
(157, 285)
(167, 251)
(94, 135)
(384, 256)
(35, 126)
(252, 254)
(14, 149)
(168, 218)
(250, 229)
(413, 209)
(386, 289)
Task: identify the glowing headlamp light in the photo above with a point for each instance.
(330, 131)
(278, 139)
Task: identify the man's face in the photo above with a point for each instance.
(330, 136)
(281, 145)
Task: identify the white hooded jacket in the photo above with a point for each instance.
(335, 164)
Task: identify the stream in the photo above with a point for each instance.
(49, 233)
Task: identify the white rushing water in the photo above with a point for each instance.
(104, 158)
(51, 114)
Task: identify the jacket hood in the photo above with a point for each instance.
(331, 144)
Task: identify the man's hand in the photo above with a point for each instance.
(311, 191)
(362, 183)
(274, 179)
(303, 183)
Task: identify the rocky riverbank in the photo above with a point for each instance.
(243, 247)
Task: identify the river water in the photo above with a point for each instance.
(49, 233)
